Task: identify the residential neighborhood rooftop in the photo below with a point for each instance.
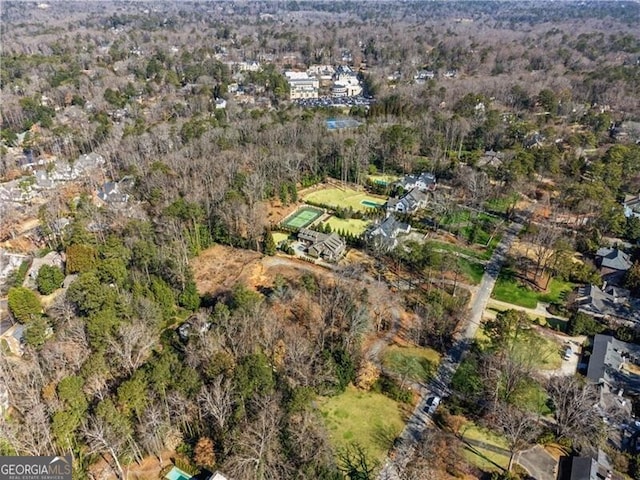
(607, 363)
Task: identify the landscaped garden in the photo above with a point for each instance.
(353, 226)
(370, 419)
(357, 200)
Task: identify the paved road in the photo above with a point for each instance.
(419, 420)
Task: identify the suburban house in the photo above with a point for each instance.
(9, 262)
(613, 264)
(385, 234)
(301, 85)
(626, 132)
(114, 193)
(11, 334)
(176, 473)
(328, 246)
(423, 75)
(491, 159)
(423, 181)
(588, 468)
(608, 303)
(631, 206)
(614, 365)
(411, 202)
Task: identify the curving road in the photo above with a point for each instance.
(439, 385)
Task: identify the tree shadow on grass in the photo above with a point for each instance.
(384, 435)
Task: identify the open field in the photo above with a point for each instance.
(359, 201)
(371, 419)
(352, 225)
(303, 217)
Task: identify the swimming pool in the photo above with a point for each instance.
(368, 203)
(176, 474)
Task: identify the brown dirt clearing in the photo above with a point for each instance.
(218, 268)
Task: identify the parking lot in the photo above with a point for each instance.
(335, 102)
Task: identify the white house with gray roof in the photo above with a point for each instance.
(411, 202)
(423, 181)
(385, 234)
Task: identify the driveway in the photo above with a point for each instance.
(439, 385)
(569, 366)
(540, 464)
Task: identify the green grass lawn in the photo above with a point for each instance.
(544, 354)
(371, 419)
(455, 217)
(472, 270)
(414, 363)
(480, 254)
(352, 225)
(508, 289)
(344, 198)
(500, 205)
(383, 179)
(533, 398)
(486, 460)
(279, 237)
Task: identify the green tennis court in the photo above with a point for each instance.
(302, 217)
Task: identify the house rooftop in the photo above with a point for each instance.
(607, 363)
(614, 259)
(582, 469)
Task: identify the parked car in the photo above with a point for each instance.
(432, 404)
(568, 352)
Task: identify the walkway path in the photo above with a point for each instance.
(439, 386)
(539, 311)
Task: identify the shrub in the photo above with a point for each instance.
(80, 258)
(583, 324)
(49, 279)
(23, 303)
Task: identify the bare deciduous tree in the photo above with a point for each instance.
(518, 426)
(574, 400)
(133, 345)
(102, 439)
(216, 401)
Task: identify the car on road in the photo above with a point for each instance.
(432, 404)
